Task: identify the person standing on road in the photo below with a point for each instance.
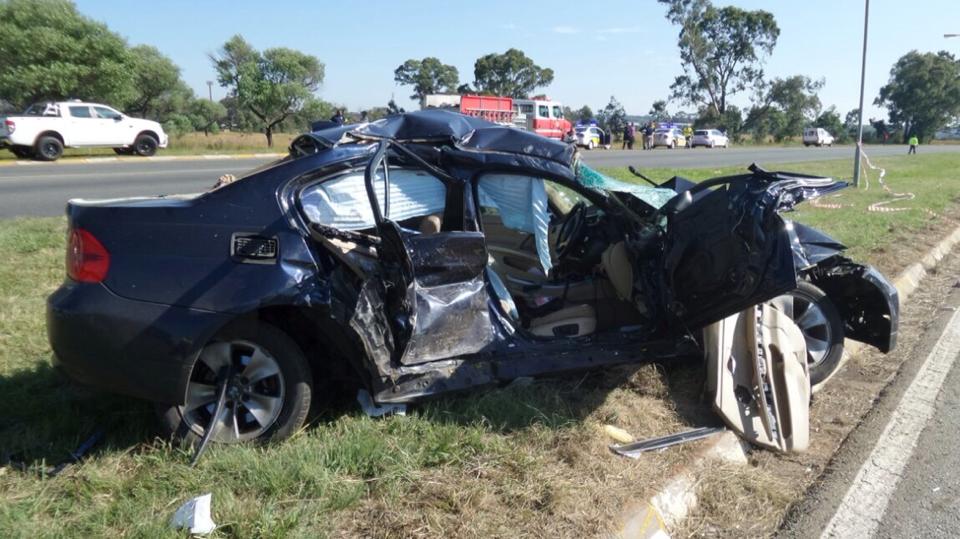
(633, 135)
(337, 118)
(687, 135)
(914, 142)
(648, 135)
(626, 135)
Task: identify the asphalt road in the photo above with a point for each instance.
(898, 473)
(42, 189)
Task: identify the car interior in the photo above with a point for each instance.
(560, 271)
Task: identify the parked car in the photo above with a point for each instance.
(431, 252)
(709, 138)
(671, 137)
(817, 136)
(591, 136)
(45, 129)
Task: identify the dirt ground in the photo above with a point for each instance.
(752, 501)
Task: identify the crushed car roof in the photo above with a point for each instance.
(463, 132)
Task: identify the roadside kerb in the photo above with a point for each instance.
(108, 159)
(678, 497)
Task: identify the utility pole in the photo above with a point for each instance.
(863, 74)
(210, 89)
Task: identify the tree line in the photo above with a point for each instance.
(48, 51)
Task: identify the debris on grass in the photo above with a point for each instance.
(194, 516)
(373, 409)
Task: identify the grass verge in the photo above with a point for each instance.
(514, 461)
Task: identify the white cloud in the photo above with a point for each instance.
(621, 30)
(566, 30)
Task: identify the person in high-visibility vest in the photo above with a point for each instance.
(914, 142)
(687, 134)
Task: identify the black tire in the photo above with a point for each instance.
(294, 376)
(823, 332)
(48, 148)
(123, 151)
(145, 145)
(22, 152)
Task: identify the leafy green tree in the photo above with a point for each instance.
(583, 114)
(721, 50)
(659, 111)
(509, 74)
(156, 83)
(830, 120)
(785, 107)
(427, 76)
(393, 108)
(273, 85)
(48, 50)
(923, 93)
(206, 115)
(850, 120)
(730, 122)
(612, 118)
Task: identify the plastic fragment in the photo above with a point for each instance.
(378, 410)
(194, 516)
(618, 434)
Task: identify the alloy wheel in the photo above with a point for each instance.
(254, 392)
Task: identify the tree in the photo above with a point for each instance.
(393, 108)
(155, 77)
(923, 93)
(785, 107)
(510, 74)
(583, 114)
(48, 50)
(830, 120)
(721, 50)
(730, 122)
(427, 76)
(612, 118)
(273, 85)
(659, 111)
(206, 115)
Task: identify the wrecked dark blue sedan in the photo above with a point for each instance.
(426, 253)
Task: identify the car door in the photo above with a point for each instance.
(725, 252)
(436, 298)
(112, 129)
(83, 126)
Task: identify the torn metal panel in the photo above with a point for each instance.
(449, 320)
(868, 304)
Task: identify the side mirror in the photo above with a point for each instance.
(676, 204)
(118, 118)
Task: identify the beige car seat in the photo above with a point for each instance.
(616, 263)
(430, 224)
(574, 321)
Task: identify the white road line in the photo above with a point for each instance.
(863, 506)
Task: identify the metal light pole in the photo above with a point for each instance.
(210, 89)
(863, 74)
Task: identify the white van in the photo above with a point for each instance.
(817, 136)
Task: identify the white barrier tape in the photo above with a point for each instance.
(897, 197)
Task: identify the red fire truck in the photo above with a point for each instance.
(540, 114)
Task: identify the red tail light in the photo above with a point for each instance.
(11, 126)
(87, 259)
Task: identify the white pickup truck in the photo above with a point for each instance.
(45, 129)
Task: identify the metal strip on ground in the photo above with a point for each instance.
(865, 502)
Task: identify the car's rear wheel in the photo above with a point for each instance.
(268, 389)
(22, 152)
(48, 148)
(822, 328)
(145, 145)
(590, 145)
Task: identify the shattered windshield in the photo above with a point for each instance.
(653, 196)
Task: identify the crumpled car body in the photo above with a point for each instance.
(433, 252)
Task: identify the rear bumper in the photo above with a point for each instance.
(145, 350)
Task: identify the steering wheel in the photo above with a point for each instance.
(573, 230)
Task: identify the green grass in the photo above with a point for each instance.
(511, 461)
(871, 236)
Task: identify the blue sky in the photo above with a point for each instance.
(617, 47)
